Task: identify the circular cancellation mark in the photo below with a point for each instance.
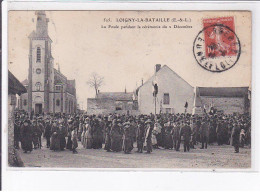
(216, 48)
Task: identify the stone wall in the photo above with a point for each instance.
(106, 106)
(226, 104)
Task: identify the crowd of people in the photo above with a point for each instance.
(117, 133)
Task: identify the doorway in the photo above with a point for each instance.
(38, 108)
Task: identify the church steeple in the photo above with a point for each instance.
(42, 24)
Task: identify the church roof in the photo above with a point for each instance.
(120, 96)
(38, 35)
(223, 91)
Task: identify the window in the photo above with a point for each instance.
(38, 56)
(166, 98)
(57, 102)
(38, 86)
(118, 108)
(24, 102)
(58, 88)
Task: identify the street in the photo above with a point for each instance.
(212, 158)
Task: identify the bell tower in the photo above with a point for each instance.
(40, 63)
(42, 24)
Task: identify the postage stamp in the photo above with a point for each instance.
(217, 47)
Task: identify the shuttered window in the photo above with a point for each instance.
(38, 57)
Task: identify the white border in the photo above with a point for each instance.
(13, 179)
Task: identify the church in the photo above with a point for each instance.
(48, 90)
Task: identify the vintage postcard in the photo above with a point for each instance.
(129, 89)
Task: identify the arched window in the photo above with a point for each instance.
(38, 57)
(57, 102)
(38, 86)
(24, 102)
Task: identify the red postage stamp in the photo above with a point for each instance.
(217, 47)
(220, 41)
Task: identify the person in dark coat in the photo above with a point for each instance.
(62, 134)
(168, 144)
(47, 133)
(127, 138)
(204, 132)
(235, 136)
(108, 137)
(35, 131)
(17, 134)
(26, 136)
(55, 137)
(69, 141)
(140, 137)
(100, 130)
(116, 137)
(96, 133)
(186, 133)
(176, 136)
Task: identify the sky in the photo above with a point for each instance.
(125, 56)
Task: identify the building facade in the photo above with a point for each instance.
(113, 102)
(49, 91)
(227, 100)
(173, 93)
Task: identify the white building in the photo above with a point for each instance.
(173, 93)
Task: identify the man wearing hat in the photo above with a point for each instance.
(140, 135)
(47, 132)
(186, 133)
(26, 136)
(204, 131)
(235, 136)
(176, 136)
(127, 138)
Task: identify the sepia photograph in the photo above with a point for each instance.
(129, 89)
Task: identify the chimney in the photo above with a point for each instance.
(157, 67)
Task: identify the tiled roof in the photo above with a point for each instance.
(14, 85)
(34, 34)
(121, 96)
(223, 91)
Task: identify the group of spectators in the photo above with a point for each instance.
(117, 133)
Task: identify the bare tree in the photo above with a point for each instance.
(95, 81)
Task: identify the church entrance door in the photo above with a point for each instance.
(38, 108)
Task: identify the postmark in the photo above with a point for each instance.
(217, 48)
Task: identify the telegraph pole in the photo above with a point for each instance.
(155, 105)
